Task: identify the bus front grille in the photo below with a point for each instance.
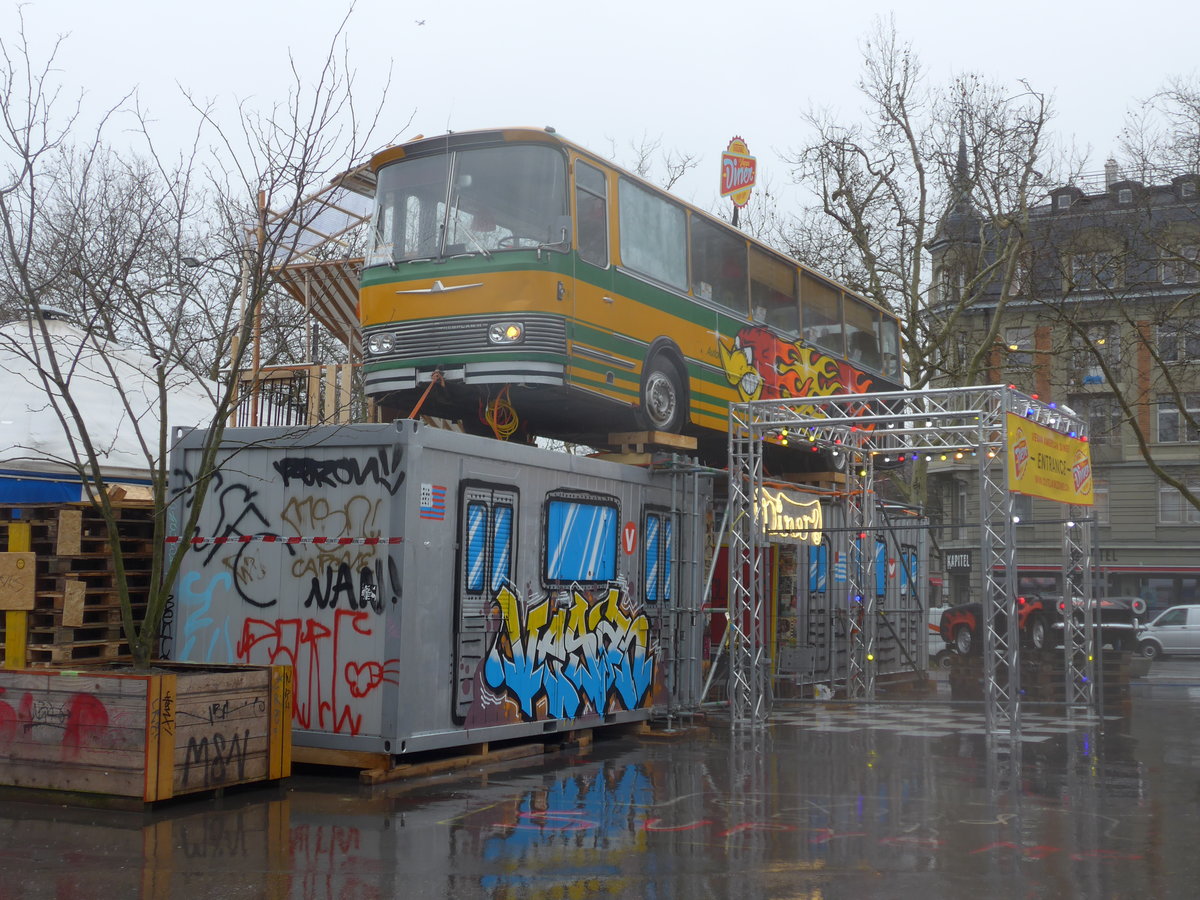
(469, 334)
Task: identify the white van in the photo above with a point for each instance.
(1176, 630)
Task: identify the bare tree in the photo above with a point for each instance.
(925, 169)
(106, 235)
(648, 160)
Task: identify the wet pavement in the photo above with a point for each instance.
(830, 801)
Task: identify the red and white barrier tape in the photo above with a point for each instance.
(280, 539)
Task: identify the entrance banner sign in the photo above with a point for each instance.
(1045, 463)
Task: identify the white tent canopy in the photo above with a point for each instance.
(113, 386)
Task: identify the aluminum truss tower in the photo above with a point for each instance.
(748, 663)
(871, 428)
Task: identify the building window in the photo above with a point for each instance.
(1019, 341)
(1180, 265)
(1103, 416)
(1187, 189)
(1098, 341)
(1100, 502)
(1094, 270)
(1173, 509)
(1125, 195)
(959, 512)
(1022, 508)
(1064, 201)
(1175, 344)
(1174, 426)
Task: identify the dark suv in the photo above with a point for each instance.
(1117, 617)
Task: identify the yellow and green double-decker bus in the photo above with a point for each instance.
(515, 261)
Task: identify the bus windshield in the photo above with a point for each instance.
(481, 200)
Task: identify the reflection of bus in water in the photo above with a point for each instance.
(513, 259)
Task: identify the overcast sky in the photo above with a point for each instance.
(692, 73)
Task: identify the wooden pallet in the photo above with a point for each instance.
(377, 768)
(76, 617)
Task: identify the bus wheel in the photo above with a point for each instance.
(663, 401)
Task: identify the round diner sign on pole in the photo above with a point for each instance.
(738, 171)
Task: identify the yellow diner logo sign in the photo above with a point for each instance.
(783, 516)
(1044, 463)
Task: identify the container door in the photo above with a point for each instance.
(486, 551)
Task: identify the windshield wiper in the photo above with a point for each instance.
(467, 231)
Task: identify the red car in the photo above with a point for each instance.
(962, 626)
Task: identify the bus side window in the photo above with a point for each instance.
(773, 292)
(719, 265)
(862, 334)
(822, 303)
(591, 207)
(653, 234)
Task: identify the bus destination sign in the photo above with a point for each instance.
(738, 169)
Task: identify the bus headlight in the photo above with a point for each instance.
(380, 343)
(506, 333)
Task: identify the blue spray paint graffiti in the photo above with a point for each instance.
(195, 605)
(575, 658)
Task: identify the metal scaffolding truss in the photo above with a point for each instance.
(748, 701)
(873, 429)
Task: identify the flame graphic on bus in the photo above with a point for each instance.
(761, 365)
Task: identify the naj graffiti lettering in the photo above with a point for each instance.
(561, 661)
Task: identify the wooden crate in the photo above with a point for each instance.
(178, 729)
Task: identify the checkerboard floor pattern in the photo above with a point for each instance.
(926, 720)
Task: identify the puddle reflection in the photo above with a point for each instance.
(789, 812)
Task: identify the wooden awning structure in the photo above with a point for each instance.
(325, 261)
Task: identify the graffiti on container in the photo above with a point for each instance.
(380, 470)
(333, 665)
(80, 722)
(195, 601)
(237, 511)
(339, 586)
(569, 659)
(217, 755)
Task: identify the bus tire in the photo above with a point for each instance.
(663, 399)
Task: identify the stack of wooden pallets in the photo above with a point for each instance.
(77, 612)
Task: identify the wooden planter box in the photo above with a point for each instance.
(177, 729)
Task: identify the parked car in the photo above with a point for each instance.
(1118, 617)
(939, 653)
(961, 626)
(1176, 630)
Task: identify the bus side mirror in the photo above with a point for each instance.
(560, 236)
(561, 232)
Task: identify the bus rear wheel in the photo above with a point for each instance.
(663, 401)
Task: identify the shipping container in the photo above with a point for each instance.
(434, 589)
